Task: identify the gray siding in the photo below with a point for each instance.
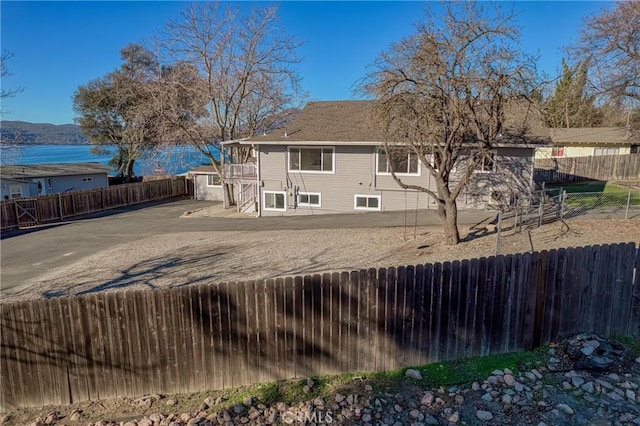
(512, 179)
(27, 189)
(75, 183)
(204, 192)
(355, 173)
(56, 184)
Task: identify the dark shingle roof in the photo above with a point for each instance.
(350, 122)
(48, 170)
(592, 136)
(331, 121)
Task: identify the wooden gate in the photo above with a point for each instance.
(27, 213)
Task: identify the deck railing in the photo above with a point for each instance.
(239, 171)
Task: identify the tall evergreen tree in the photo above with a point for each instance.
(571, 105)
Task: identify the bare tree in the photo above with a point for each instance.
(610, 42)
(4, 73)
(240, 76)
(10, 148)
(442, 96)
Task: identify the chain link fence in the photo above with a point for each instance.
(601, 205)
(550, 205)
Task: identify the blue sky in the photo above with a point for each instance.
(58, 46)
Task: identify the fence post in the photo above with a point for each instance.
(499, 228)
(60, 205)
(626, 213)
(15, 208)
(563, 197)
(541, 209)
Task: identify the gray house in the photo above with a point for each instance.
(329, 160)
(207, 184)
(31, 180)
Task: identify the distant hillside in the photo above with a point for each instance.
(21, 132)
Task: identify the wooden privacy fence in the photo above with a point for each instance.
(25, 212)
(574, 169)
(226, 335)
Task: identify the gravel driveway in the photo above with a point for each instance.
(162, 259)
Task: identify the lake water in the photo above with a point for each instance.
(172, 161)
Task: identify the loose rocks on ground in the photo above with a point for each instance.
(540, 396)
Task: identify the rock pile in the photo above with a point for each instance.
(588, 351)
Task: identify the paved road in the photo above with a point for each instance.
(27, 255)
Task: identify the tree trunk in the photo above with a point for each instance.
(229, 198)
(129, 170)
(448, 215)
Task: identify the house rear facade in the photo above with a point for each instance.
(330, 159)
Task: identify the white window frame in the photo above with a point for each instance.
(274, 209)
(87, 179)
(493, 163)
(213, 186)
(355, 202)
(301, 204)
(599, 151)
(14, 194)
(326, 172)
(388, 173)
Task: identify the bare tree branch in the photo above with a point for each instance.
(4, 73)
(443, 93)
(610, 42)
(242, 77)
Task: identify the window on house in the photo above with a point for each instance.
(402, 162)
(49, 183)
(16, 191)
(366, 202)
(309, 199)
(214, 180)
(484, 162)
(275, 200)
(87, 179)
(311, 160)
(606, 151)
(557, 151)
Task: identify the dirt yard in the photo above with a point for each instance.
(200, 257)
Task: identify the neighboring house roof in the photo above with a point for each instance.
(49, 170)
(16, 180)
(351, 123)
(592, 136)
(205, 170)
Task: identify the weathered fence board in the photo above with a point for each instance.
(215, 336)
(58, 207)
(576, 169)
